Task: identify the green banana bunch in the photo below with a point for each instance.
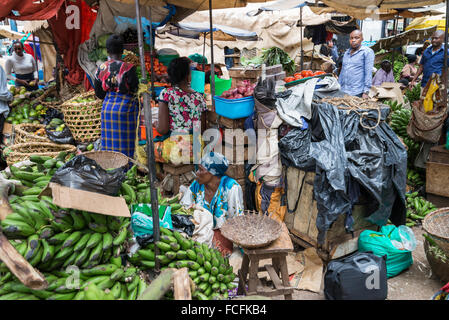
(414, 178)
(414, 94)
(417, 208)
(399, 121)
(109, 281)
(209, 270)
(394, 105)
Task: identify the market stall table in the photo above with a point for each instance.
(277, 251)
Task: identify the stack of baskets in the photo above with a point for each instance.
(23, 151)
(83, 119)
(26, 132)
(108, 159)
(436, 224)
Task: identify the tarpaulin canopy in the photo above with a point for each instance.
(426, 22)
(194, 4)
(279, 5)
(5, 33)
(29, 9)
(404, 38)
(194, 29)
(362, 9)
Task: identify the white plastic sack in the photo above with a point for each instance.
(204, 223)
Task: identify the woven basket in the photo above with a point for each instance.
(439, 268)
(49, 92)
(25, 133)
(23, 151)
(436, 224)
(83, 119)
(108, 159)
(251, 230)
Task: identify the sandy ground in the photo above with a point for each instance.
(416, 283)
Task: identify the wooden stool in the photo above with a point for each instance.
(176, 171)
(278, 271)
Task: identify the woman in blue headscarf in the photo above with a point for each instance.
(215, 191)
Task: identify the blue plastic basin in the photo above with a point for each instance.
(234, 108)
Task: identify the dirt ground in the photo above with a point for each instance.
(416, 283)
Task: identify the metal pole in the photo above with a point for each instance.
(212, 66)
(394, 34)
(35, 57)
(150, 146)
(445, 75)
(153, 94)
(302, 48)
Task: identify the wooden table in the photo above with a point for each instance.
(278, 270)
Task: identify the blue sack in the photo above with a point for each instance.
(142, 219)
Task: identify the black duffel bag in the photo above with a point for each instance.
(360, 276)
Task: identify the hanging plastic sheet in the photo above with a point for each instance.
(349, 154)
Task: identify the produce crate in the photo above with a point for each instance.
(437, 172)
(83, 119)
(302, 213)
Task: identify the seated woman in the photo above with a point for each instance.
(409, 70)
(181, 109)
(219, 194)
(384, 74)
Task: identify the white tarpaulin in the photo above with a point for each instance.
(273, 28)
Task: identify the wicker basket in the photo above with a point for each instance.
(251, 230)
(439, 267)
(25, 133)
(436, 224)
(83, 119)
(49, 92)
(23, 151)
(108, 159)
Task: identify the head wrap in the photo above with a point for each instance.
(215, 163)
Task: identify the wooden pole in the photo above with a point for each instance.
(302, 48)
(150, 147)
(212, 65)
(445, 75)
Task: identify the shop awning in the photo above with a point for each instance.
(29, 9)
(8, 34)
(404, 38)
(362, 9)
(427, 22)
(195, 4)
(194, 29)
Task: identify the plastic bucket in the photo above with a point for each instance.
(221, 85)
(234, 108)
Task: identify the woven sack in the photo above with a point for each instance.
(83, 119)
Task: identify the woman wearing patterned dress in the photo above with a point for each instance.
(116, 82)
(181, 110)
(216, 192)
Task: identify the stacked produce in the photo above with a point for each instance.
(417, 208)
(23, 107)
(244, 89)
(415, 178)
(100, 53)
(303, 75)
(55, 124)
(211, 273)
(414, 94)
(272, 57)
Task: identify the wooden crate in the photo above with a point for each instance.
(235, 154)
(301, 221)
(176, 172)
(438, 201)
(437, 171)
(236, 171)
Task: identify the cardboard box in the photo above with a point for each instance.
(65, 197)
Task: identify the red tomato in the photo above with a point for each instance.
(317, 73)
(289, 79)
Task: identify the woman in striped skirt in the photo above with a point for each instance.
(116, 82)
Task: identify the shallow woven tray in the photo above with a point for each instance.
(83, 119)
(251, 230)
(23, 151)
(108, 159)
(24, 132)
(439, 268)
(436, 224)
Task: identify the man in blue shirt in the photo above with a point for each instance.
(357, 69)
(432, 60)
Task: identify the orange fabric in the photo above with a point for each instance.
(225, 246)
(275, 208)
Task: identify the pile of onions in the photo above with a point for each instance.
(244, 89)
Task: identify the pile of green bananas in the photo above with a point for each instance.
(394, 105)
(209, 270)
(414, 94)
(417, 208)
(109, 281)
(414, 178)
(399, 121)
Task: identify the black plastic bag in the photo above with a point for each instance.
(183, 223)
(265, 92)
(86, 174)
(294, 149)
(50, 114)
(62, 137)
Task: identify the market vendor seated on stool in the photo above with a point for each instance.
(384, 74)
(181, 109)
(219, 194)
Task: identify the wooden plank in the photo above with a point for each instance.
(283, 244)
(236, 171)
(313, 230)
(295, 179)
(20, 267)
(438, 201)
(235, 137)
(274, 277)
(179, 169)
(231, 123)
(235, 155)
(304, 210)
(305, 238)
(181, 285)
(437, 178)
(439, 154)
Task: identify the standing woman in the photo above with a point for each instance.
(5, 97)
(23, 65)
(116, 82)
